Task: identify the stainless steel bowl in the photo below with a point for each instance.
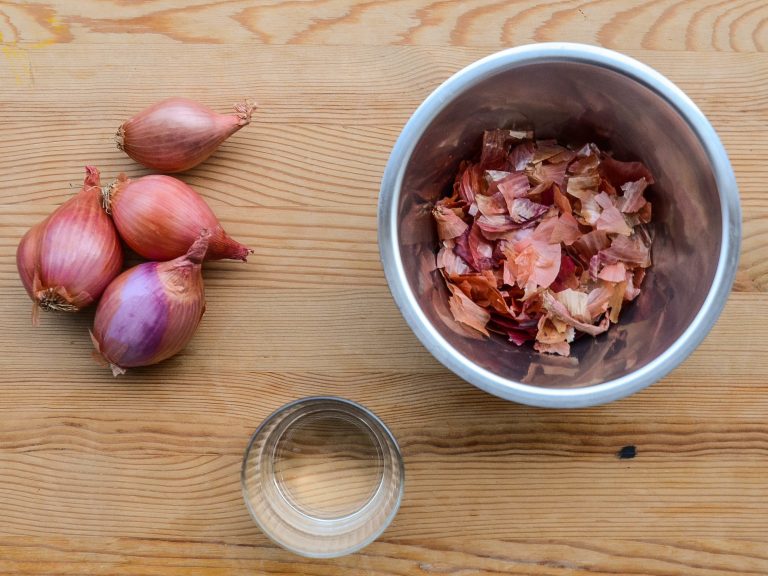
(557, 88)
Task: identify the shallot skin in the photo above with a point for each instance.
(177, 134)
(160, 216)
(151, 311)
(66, 261)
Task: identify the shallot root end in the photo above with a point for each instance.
(116, 370)
(106, 196)
(52, 299)
(244, 110)
(120, 138)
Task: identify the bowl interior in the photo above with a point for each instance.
(576, 102)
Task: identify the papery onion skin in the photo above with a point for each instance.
(541, 242)
(151, 311)
(66, 261)
(160, 216)
(27, 255)
(178, 134)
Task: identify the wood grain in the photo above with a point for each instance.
(735, 25)
(308, 330)
(425, 557)
(74, 493)
(140, 475)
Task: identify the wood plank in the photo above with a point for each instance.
(371, 85)
(471, 495)
(520, 556)
(301, 166)
(304, 330)
(94, 405)
(672, 25)
(104, 425)
(265, 165)
(322, 330)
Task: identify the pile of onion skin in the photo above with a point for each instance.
(543, 243)
(74, 258)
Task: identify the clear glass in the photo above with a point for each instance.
(323, 477)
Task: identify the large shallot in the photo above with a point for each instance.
(66, 261)
(160, 216)
(151, 311)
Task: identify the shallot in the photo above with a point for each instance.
(160, 216)
(66, 261)
(178, 134)
(151, 311)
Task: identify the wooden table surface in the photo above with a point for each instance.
(140, 475)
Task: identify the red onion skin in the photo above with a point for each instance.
(151, 311)
(160, 216)
(66, 261)
(178, 134)
(27, 256)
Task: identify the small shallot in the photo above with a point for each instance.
(178, 134)
(160, 216)
(151, 311)
(66, 261)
